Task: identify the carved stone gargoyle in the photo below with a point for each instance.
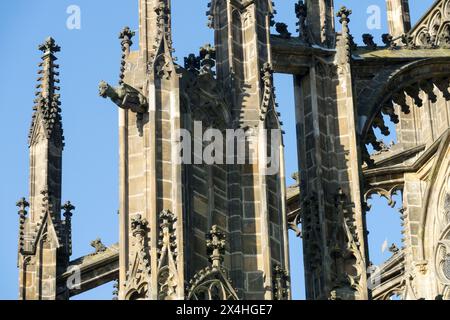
(124, 96)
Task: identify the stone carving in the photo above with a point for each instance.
(98, 245)
(47, 103)
(368, 41)
(125, 37)
(116, 290)
(344, 251)
(301, 13)
(281, 286)
(444, 38)
(168, 284)
(124, 96)
(446, 211)
(23, 205)
(163, 67)
(268, 99)
(388, 194)
(432, 30)
(282, 29)
(343, 14)
(137, 286)
(394, 249)
(212, 283)
(192, 63)
(384, 147)
(207, 59)
(443, 261)
(68, 207)
(388, 40)
(344, 95)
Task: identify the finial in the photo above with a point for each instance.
(344, 15)
(116, 290)
(49, 46)
(215, 244)
(138, 226)
(22, 204)
(125, 36)
(68, 208)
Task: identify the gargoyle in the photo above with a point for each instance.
(124, 96)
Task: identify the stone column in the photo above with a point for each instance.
(150, 173)
(399, 18)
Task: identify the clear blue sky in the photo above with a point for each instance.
(90, 160)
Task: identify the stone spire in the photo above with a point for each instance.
(47, 103)
(46, 139)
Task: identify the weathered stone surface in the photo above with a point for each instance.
(203, 222)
